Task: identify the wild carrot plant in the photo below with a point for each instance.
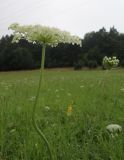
(45, 36)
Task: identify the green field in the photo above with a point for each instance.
(96, 98)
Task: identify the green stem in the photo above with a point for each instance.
(41, 81)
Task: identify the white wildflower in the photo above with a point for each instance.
(57, 96)
(36, 145)
(56, 90)
(81, 86)
(69, 94)
(43, 35)
(114, 128)
(32, 98)
(13, 130)
(47, 108)
(110, 62)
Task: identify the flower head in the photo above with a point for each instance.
(114, 128)
(110, 62)
(69, 110)
(43, 35)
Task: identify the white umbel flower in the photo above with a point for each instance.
(43, 35)
(114, 128)
(110, 62)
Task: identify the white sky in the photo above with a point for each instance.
(75, 16)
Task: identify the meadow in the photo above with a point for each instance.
(96, 99)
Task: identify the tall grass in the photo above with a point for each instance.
(96, 99)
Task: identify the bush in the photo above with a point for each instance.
(92, 64)
(78, 65)
(122, 63)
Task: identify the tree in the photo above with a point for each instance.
(21, 59)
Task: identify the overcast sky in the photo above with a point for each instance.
(75, 16)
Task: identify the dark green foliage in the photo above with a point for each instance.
(93, 55)
(92, 64)
(64, 55)
(17, 59)
(20, 56)
(21, 59)
(122, 63)
(78, 65)
(95, 46)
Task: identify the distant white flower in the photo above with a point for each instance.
(110, 62)
(36, 145)
(12, 130)
(81, 86)
(57, 96)
(69, 94)
(32, 98)
(56, 90)
(114, 128)
(54, 124)
(47, 108)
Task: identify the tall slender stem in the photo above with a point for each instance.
(41, 81)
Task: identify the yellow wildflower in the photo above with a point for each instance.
(69, 110)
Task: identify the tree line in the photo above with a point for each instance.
(95, 45)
